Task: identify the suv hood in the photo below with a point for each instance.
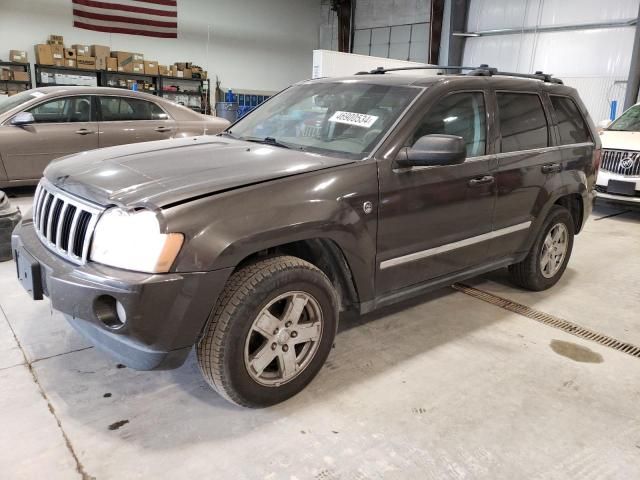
(163, 172)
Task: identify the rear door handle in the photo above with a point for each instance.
(163, 129)
(474, 182)
(551, 168)
(84, 131)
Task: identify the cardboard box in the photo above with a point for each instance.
(100, 51)
(43, 54)
(70, 54)
(112, 64)
(57, 53)
(101, 63)
(21, 76)
(125, 57)
(164, 70)
(18, 56)
(70, 62)
(5, 74)
(132, 67)
(150, 67)
(56, 40)
(186, 73)
(82, 50)
(85, 63)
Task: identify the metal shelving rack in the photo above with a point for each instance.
(104, 78)
(4, 84)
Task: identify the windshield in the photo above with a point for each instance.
(629, 121)
(13, 101)
(341, 118)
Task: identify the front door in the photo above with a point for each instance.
(434, 221)
(62, 126)
(126, 120)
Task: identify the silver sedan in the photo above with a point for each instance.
(42, 124)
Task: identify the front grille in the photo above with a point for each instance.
(64, 223)
(621, 162)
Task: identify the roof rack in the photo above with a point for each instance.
(483, 70)
(487, 71)
(382, 70)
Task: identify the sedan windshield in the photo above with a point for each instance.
(12, 102)
(629, 121)
(343, 118)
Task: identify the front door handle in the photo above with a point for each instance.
(487, 179)
(84, 131)
(163, 129)
(551, 168)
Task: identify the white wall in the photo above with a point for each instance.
(595, 61)
(254, 44)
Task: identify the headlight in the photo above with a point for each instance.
(132, 240)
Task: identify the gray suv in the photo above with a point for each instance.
(336, 194)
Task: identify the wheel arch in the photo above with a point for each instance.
(325, 254)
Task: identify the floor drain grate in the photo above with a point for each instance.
(550, 320)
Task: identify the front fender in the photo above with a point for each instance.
(222, 230)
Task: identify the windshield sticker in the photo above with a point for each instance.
(37, 94)
(356, 119)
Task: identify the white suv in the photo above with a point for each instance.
(619, 175)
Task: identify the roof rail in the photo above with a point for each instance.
(483, 70)
(486, 71)
(382, 70)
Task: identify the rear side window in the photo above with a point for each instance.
(571, 124)
(522, 122)
(114, 109)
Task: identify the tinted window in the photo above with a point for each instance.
(63, 110)
(461, 114)
(571, 124)
(115, 109)
(522, 122)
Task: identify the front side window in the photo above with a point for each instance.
(629, 121)
(119, 109)
(571, 124)
(345, 118)
(462, 114)
(523, 124)
(63, 110)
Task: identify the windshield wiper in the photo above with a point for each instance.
(268, 141)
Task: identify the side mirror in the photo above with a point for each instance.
(433, 150)
(23, 118)
(604, 123)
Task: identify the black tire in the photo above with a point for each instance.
(528, 273)
(221, 350)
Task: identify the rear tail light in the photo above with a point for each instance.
(597, 156)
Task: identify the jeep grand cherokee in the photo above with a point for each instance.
(336, 194)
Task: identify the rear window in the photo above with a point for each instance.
(571, 124)
(522, 122)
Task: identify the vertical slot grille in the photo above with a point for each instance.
(63, 223)
(621, 162)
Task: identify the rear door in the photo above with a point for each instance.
(525, 151)
(62, 126)
(125, 120)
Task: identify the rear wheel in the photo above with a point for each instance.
(549, 255)
(270, 333)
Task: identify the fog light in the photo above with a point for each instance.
(110, 311)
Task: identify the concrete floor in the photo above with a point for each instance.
(443, 387)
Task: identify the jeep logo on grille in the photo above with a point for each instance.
(626, 162)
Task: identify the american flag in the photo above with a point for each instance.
(151, 18)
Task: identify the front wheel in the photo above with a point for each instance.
(271, 332)
(549, 255)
